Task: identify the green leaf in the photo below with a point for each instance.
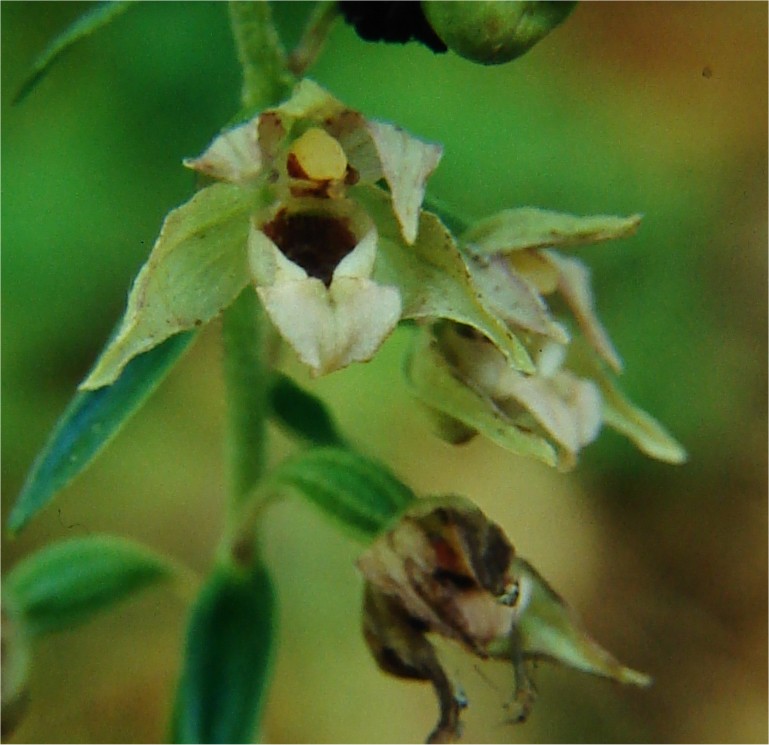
(93, 20)
(68, 582)
(90, 421)
(301, 414)
(196, 269)
(361, 494)
(432, 277)
(530, 227)
(227, 659)
(438, 385)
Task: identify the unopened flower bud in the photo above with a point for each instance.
(497, 31)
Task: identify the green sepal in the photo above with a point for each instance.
(228, 656)
(301, 414)
(196, 269)
(530, 227)
(66, 583)
(436, 384)
(89, 422)
(623, 416)
(643, 429)
(93, 20)
(355, 491)
(433, 278)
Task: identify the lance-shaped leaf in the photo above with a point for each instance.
(441, 387)
(358, 492)
(196, 269)
(14, 671)
(530, 227)
(98, 17)
(432, 277)
(228, 657)
(68, 582)
(300, 413)
(89, 422)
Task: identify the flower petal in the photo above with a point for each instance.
(406, 164)
(309, 101)
(196, 269)
(574, 285)
(512, 298)
(441, 386)
(568, 408)
(331, 328)
(432, 277)
(233, 156)
(267, 263)
(360, 261)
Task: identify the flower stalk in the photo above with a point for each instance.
(266, 79)
(246, 372)
(245, 330)
(322, 19)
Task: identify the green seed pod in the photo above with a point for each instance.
(494, 32)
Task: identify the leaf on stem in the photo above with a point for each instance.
(302, 414)
(93, 20)
(196, 269)
(68, 582)
(89, 422)
(227, 659)
(360, 493)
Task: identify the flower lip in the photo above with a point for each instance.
(314, 241)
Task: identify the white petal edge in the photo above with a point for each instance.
(332, 328)
(233, 156)
(406, 164)
(360, 261)
(267, 263)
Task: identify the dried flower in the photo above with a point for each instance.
(445, 568)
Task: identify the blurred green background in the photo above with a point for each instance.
(635, 107)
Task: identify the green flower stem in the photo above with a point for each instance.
(246, 370)
(246, 331)
(266, 79)
(316, 31)
(248, 341)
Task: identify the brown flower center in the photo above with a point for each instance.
(317, 243)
